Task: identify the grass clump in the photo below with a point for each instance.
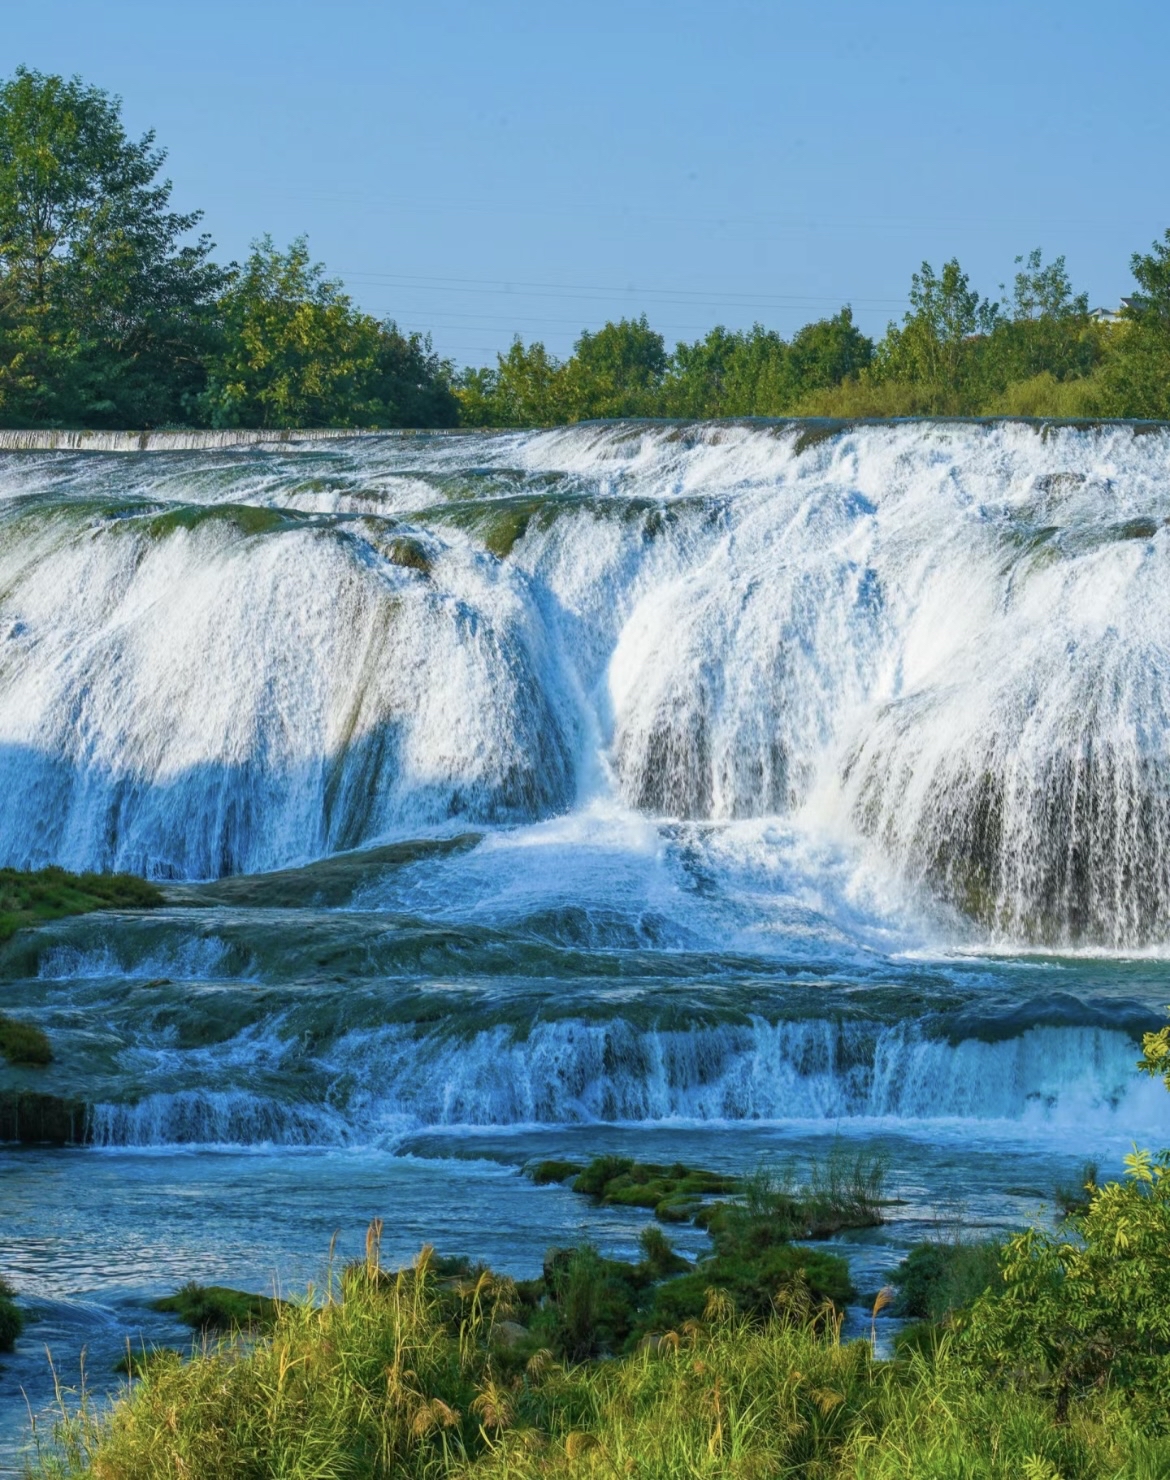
(938, 1277)
(29, 897)
(217, 1308)
(24, 1043)
(11, 1319)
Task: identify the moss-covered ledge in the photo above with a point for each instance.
(30, 897)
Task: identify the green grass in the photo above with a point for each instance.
(217, 1308)
(23, 1043)
(411, 1375)
(27, 898)
(938, 1277)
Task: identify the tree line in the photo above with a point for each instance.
(113, 313)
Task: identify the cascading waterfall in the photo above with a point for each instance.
(748, 707)
(956, 638)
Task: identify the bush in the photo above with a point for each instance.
(936, 1279)
(217, 1308)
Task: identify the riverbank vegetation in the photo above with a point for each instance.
(113, 313)
(1044, 1358)
(28, 897)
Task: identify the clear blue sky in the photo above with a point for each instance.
(479, 167)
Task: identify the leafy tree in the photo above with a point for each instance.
(1089, 1307)
(618, 371)
(1138, 375)
(409, 385)
(104, 313)
(1046, 330)
(932, 349)
(295, 351)
(829, 351)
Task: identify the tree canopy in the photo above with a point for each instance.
(114, 313)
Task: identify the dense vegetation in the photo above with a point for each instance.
(113, 314)
(1045, 1359)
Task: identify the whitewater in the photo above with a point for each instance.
(698, 791)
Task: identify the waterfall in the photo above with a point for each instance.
(944, 646)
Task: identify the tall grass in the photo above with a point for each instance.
(410, 1375)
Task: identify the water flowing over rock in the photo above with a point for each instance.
(944, 646)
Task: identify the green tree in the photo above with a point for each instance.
(1089, 1307)
(933, 348)
(825, 353)
(408, 384)
(730, 373)
(1138, 374)
(1045, 330)
(104, 312)
(618, 371)
(295, 351)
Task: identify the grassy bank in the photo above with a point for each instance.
(31, 897)
(1046, 1358)
(416, 1374)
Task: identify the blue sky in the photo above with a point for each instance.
(478, 169)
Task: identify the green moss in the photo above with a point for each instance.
(544, 1172)
(812, 435)
(248, 519)
(23, 1043)
(26, 898)
(501, 522)
(11, 1319)
(411, 554)
(676, 1190)
(217, 1308)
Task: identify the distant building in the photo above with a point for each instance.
(1115, 315)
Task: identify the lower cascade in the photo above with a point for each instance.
(384, 1086)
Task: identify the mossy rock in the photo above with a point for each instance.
(622, 1182)
(756, 1286)
(24, 1043)
(31, 1119)
(28, 897)
(218, 1308)
(11, 1318)
(411, 554)
(248, 519)
(543, 1173)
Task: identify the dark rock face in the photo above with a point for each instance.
(32, 1119)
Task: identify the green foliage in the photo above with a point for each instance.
(407, 1375)
(104, 315)
(1155, 1057)
(23, 1043)
(937, 1278)
(1137, 377)
(11, 1318)
(1089, 1308)
(49, 893)
(295, 352)
(217, 1308)
(112, 313)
